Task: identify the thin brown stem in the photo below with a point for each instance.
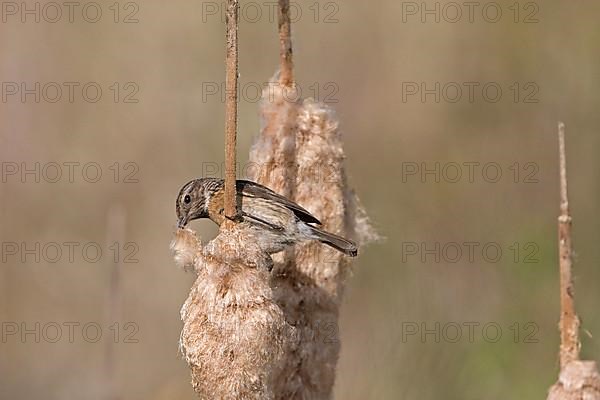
(116, 228)
(231, 84)
(286, 77)
(569, 322)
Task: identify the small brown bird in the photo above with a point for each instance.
(278, 222)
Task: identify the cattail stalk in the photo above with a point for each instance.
(115, 236)
(578, 380)
(569, 322)
(308, 281)
(286, 77)
(231, 100)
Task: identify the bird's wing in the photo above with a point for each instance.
(252, 189)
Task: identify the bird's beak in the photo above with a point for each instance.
(182, 222)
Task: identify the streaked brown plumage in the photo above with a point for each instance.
(277, 221)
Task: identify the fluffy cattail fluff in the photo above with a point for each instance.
(233, 332)
(578, 380)
(299, 154)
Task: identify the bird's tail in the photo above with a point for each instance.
(337, 242)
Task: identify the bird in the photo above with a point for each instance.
(276, 221)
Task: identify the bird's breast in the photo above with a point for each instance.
(216, 205)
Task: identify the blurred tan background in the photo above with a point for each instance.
(360, 57)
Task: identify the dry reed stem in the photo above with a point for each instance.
(286, 77)
(231, 84)
(115, 228)
(578, 380)
(569, 322)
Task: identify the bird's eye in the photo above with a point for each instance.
(187, 199)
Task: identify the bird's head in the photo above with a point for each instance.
(192, 202)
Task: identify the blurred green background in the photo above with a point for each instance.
(360, 57)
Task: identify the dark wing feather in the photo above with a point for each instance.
(253, 189)
(263, 222)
